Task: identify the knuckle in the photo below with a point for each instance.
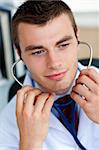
(91, 71)
(44, 95)
(73, 95)
(78, 86)
(82, 78)
(31, 93)
(36, 90)
(36, 115)
(26, 114)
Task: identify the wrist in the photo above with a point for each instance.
(37, 146)
(33, 146)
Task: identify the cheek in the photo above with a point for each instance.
(70, 54)
(70, 58)
(72, 63)
(35, 66)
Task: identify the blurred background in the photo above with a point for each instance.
(86, 13)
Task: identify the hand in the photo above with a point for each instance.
(33, 113)
(86, 93)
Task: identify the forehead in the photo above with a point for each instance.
(54, 29)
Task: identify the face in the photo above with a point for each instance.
(50, 53)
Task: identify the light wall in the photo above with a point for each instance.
(90, 35)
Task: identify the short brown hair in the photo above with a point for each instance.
(39, 13)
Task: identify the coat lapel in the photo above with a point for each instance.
(58, 129)
(88, 132)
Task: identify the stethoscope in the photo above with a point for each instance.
(64, 118)
(79, 42)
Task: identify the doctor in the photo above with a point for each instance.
(46, 38)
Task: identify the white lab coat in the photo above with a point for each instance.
(58, 137)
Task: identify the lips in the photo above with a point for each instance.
(57, 76)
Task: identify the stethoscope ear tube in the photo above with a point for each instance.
(12, 72)
(16, 62)
(91, 52)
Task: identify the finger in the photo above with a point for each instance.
(92, 73)
(20, 98)
(29, 101)
(78, 99)
(40, 102)
(49, 104)
(89, 83)
(82, 91)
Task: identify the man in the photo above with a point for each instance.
(46, 38)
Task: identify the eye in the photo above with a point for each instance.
(39, 52)
(64, 45)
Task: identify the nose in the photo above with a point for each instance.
(53, 61)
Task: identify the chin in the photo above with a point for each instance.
(61, 92)
(59, 87)
(62, 88)
(58, 91)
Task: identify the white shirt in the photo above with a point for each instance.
(58, 137)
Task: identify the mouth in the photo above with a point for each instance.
(57, 76)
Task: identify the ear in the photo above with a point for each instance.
(19, 53)
(78, 33)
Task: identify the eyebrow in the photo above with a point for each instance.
(65, 38)
(34, 47)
